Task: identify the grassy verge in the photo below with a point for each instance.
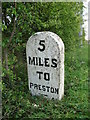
(18, 102)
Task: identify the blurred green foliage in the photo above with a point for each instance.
(61, 18)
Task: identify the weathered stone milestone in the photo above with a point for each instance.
(45, 63)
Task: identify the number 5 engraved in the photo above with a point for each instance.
(42, 45)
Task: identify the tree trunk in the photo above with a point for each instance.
(6, 58)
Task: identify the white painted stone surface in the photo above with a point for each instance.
(45, 62)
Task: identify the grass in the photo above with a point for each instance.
(19, 103)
